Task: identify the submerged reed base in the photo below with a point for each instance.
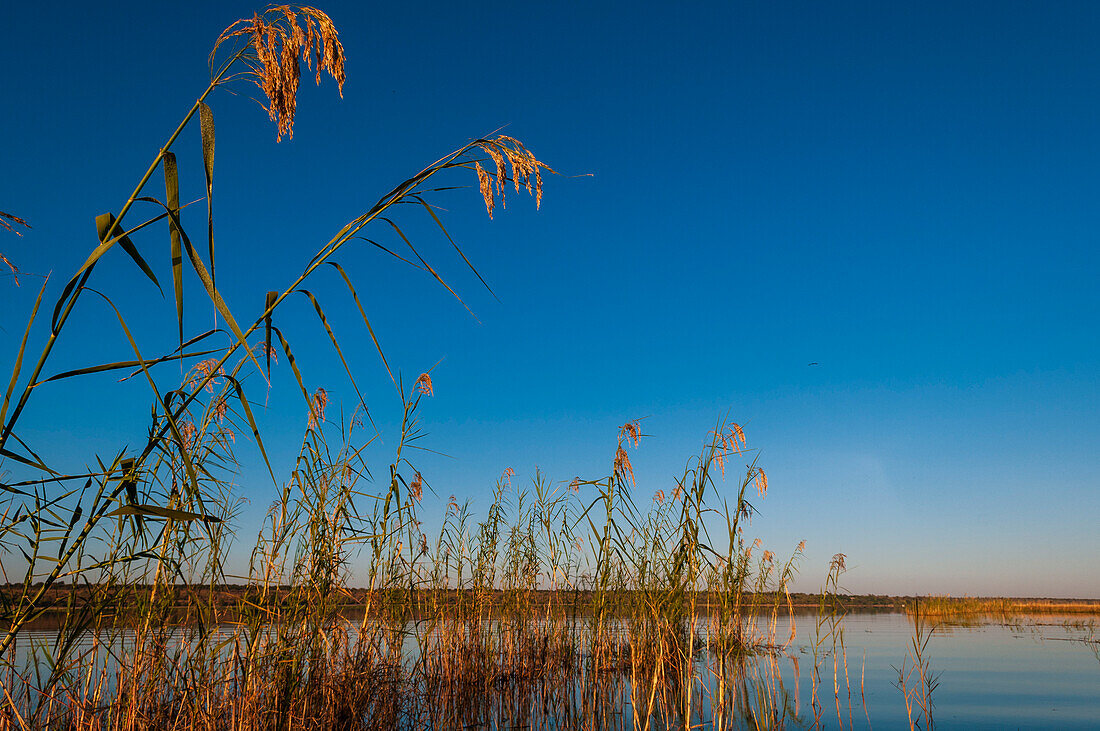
(446, 672)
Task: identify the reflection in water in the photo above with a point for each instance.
(1039, 673)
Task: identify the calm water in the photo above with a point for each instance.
(1040, 675)
(1043, 673)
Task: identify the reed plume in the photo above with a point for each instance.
(281, 38)
(6, 221)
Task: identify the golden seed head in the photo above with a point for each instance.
(486, 186)
(838, 562)
(622, 466)
(507, 475)
(575, 485)
(187, 435)
(317, 407)
(205, 368)
(801, 546)
(761, 482)
(416, 487)
(768, 556)
(6, 220)
(280, 38)
(526, 170)
(631, 430)
(659, 497)
(739, 432)
(424, 384)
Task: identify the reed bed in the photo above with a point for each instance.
(577, 604)
(946, 607)
(506, 621)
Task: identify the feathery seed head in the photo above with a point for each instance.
(220, 409)
(761, 482)
(416, 487)
(622, 466)
(280, 39)
(317, 407)
(526, 170)
(205, 368)
(187, 435)
(6, 221)
(424, 384)
(486, 186)
(631, 430)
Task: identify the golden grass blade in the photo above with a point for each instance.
(243, 400)
(336, 345)
(269, 304)
(79, 279)
(155, 511)
(172, 202)
(293, 366)
(366, 321)
(106, 222)
(7, 453)
(19, 356)
(41, 462)
(426, 265)
(443, 228)
(206, 123)
(208, 284)
(189, 466)
(103, 368)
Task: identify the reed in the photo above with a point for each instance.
(916, 680)
(945, 608)
(565, 605)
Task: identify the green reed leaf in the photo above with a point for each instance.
(172, 201)
(155, 511)
(104, 224)
(206, 123)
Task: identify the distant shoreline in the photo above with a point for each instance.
(230, 596)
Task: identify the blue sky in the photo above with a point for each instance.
(902, 194)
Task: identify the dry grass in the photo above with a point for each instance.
(6, 222)
(942, 607)
(481, 622)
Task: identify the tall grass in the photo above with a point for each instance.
(576, 605)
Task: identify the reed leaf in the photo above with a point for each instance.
(172, 202)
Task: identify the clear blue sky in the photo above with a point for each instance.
(905, 194)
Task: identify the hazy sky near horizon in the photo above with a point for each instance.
(905, 195)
